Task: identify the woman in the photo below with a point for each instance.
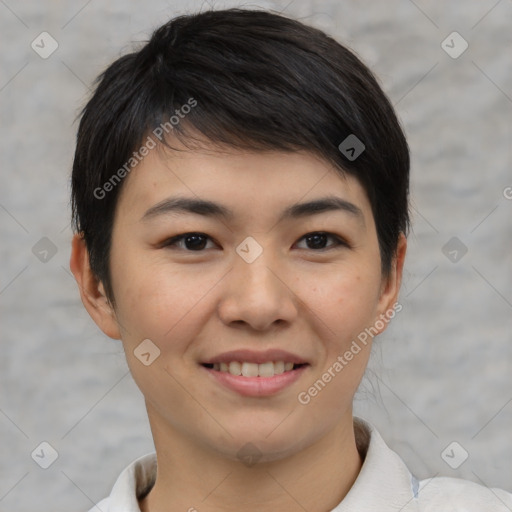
(240, 203)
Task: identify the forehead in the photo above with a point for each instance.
(247, 182)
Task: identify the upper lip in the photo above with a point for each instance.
(251, 356)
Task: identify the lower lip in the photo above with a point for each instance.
(257, 386)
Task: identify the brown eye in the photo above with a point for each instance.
(188, 241)
(319, 241)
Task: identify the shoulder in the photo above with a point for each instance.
(386, 484)
(457, 495)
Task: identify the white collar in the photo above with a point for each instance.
(384, 483)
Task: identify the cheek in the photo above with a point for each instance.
(345, 305)
(157, 302)
(346, 301)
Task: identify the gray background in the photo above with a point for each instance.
(442, 372)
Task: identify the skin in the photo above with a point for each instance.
(197, 304)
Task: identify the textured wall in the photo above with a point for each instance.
(442, 372)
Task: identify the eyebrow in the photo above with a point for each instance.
(212, 209)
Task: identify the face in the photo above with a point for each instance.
(263, 263)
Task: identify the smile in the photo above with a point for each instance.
(247, 380)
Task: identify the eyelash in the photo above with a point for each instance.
(339, 242)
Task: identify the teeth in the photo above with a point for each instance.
(278, 368)
(266, 369)
(249, 369)
(245, 369)
(235, 368)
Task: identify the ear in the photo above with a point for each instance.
(390, 288)
(92, 291)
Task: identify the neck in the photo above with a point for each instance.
(193, 479)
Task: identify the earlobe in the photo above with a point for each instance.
(92, 291)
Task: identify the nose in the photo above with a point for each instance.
(257, 295)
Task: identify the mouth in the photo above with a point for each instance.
(255, 374)
(248, 369)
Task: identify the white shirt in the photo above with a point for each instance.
(384, 484)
